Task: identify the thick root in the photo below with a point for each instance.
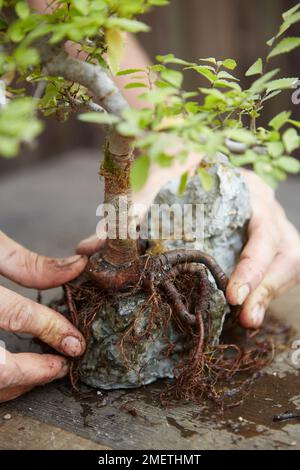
(158, 272)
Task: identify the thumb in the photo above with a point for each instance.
(36, 271)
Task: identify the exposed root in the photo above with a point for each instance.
(180, 278)
(219, 374)
(71, 305)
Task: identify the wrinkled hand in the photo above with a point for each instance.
(270, 262)
(22, 372)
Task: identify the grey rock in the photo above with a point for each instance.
(226, 209)
(104, 366)
(226, 212)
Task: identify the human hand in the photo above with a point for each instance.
(270, 262)
(21, 372)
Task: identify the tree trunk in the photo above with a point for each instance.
(116, 172)
(119, 150)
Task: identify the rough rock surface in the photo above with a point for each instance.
(226, 209)
(226, 212)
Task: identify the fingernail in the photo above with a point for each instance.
(257, 315)
(64, 370)
(72, 346)
(242, 294)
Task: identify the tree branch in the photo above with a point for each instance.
(91, 76)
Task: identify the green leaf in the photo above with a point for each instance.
(286, 45)
(158, 2)
(275, 149)
(206, 179)
(288, 164)
(248, 158)
(278, 121)
(241, 135)
(271, 41)
(287, 14)
(183, 183)
(8, 147)
(264, 170)
(164, 160)
(288, 23)
(226, 75)
(26, 57)
(271, 95)
(22, 10)
(279, 174)
(82, 6)
(294, 123)
(129, 71)
(139, 172)
(291, 140)
(206, 72)
(255, 69)
(171, 59)
(132, 26)
(209, 60)
(192, 107)
(15, 32)
(115, 48)
(227, 84)
(173, 77)
(214, 93)
(135, 85)
(98, 118)
(261, 84)
(229, 64)
(281, 84)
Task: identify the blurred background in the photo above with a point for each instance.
(191, 29)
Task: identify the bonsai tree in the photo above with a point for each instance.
(221, 117)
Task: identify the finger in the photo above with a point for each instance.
(19, 314)
(284, 273)
(255, 260)
(22, 372)
(8, 394)
(32, 270)
(89, 245)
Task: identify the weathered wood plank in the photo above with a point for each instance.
(136, 420)
(22, 433)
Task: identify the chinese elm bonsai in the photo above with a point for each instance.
(221, 117)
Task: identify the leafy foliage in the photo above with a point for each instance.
(17, 124)
(218, 117)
